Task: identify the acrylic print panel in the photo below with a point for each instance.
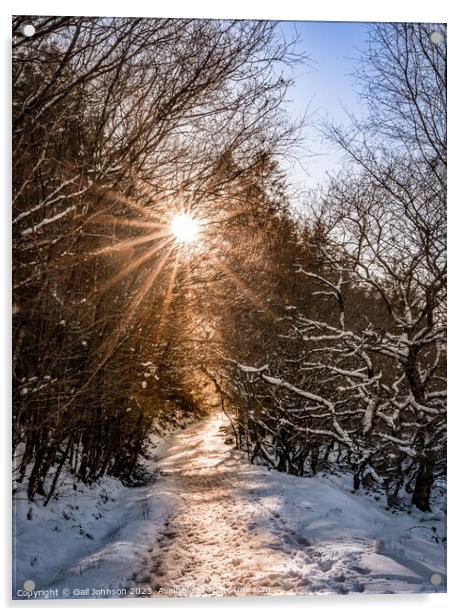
(229, 318)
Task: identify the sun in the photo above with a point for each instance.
(185, 228)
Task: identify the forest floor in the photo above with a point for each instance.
(211, 524)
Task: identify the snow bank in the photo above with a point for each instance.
(213, 524)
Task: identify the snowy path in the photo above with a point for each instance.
(213, 524)
(240, 529)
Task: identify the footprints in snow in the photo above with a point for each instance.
(216, 538)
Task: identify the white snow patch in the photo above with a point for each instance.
(213, 524)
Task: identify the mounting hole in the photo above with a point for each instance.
(29, 585)
(436, 37)
(28, 30)
(436, 579)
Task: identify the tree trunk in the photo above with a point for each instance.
(423, 486)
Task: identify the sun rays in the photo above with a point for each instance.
(162, 246)
(147, 244)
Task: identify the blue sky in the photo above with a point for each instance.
(324, 88)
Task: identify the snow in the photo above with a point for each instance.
(47, 221)
(210, 523)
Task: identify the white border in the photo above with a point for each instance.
(336, 10)
(355, 10)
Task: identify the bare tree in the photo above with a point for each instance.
(372, 372)
(117, 124)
